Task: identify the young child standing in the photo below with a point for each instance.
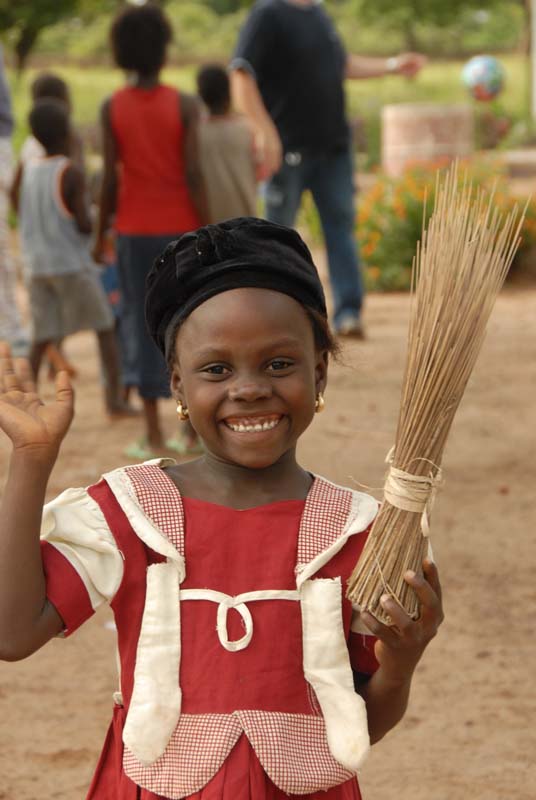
(151, 183)
(48, 85)
(64, 290)
(226, 150)
(245, 672)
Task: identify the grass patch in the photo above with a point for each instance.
(439, 82)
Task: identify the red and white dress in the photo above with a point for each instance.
(234, 635)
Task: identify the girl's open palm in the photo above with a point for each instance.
(31, 425)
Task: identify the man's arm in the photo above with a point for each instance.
(407, 64)
(247, 99)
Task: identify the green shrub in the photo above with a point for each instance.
(391, 216)
(392, 211)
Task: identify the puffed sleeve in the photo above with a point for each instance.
(82, 564)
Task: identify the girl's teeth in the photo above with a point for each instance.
(255, 428)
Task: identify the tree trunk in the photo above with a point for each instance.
(410, 37)
(25, 42)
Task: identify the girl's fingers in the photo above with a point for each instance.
(399, 617)
(64, 389)
(432, 576)
(8, 377)
(25, 374)
(386, 633)
(423, 589)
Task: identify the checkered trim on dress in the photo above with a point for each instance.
(293, 750)
(160, 500)
(324, 518)
(195, 753)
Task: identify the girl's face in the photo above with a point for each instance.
(247, 369)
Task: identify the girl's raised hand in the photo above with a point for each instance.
(34, 428)
(400, 646)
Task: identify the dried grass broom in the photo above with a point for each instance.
(459, 268)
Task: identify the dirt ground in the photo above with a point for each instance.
(469, 730)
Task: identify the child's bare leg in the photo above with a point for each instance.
(152, 422)
(57, 360)
(109, 356)
(35, 357)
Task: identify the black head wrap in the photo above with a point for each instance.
(242, 252)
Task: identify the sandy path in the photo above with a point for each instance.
(469, 731)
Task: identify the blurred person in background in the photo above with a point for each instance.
(11, 327)
(48, 85)
(152, 191)
(64, 289)
(288, 74)
(226, 150)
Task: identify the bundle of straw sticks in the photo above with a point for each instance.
(460, 265)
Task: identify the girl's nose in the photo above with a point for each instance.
(250, 390)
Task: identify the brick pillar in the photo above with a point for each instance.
(425, 133)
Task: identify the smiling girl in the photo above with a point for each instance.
(245, 672)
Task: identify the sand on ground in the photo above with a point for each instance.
(469, 730)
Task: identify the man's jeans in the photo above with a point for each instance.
(329, 177)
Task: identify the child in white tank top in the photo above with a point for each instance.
(64, 290)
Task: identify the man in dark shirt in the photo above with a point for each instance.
(288, 74)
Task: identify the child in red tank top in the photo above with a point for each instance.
(152, 191)
(245, 671)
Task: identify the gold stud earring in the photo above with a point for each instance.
(182, 411)
(320, 403)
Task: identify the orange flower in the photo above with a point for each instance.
(399, 209)
(368, 249)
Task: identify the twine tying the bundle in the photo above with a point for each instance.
(412, 492)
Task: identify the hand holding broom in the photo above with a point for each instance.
(460, 266)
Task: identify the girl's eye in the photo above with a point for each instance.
(216, 369)
(279, 364)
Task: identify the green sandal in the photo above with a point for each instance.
(141, 451)
(180, 446)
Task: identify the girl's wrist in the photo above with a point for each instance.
(33, 460)
(395, 677)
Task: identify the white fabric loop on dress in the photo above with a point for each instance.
(221, 626)
(226, 601)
